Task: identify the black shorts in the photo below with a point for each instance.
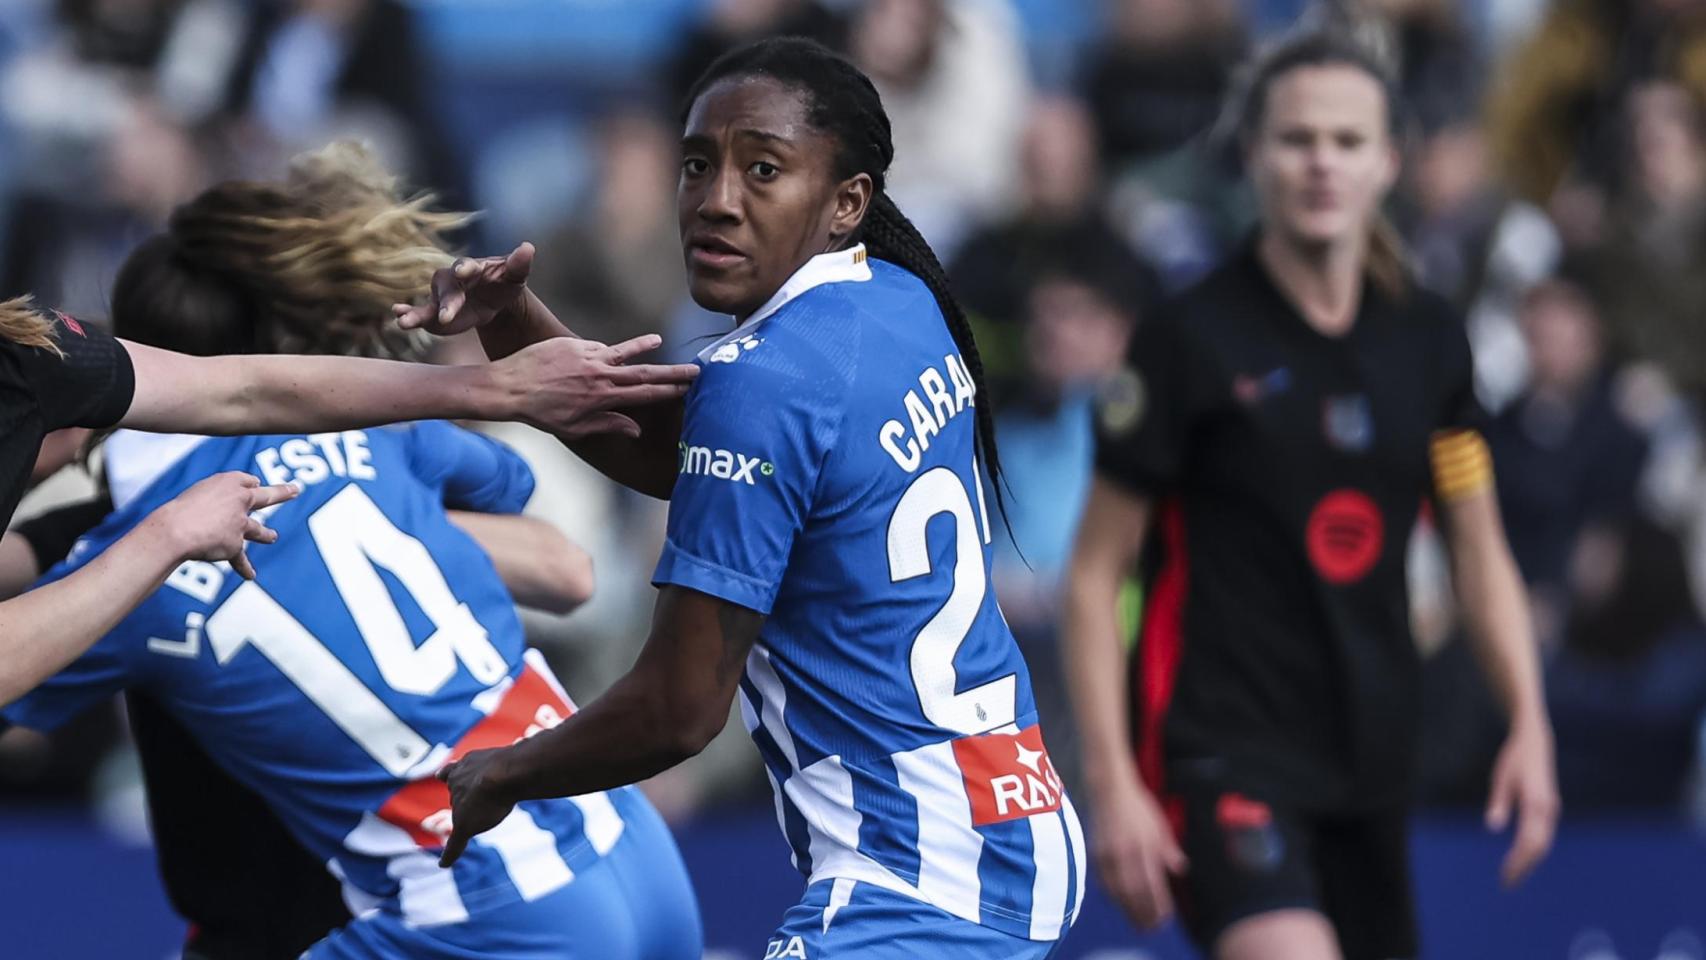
(1249, 855)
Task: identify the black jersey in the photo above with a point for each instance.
(90, 386)
(1288, 468)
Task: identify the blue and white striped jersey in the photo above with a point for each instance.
(828, 480)
(376, 643)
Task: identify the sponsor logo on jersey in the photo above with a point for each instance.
(722, 464)
(70, 323)
(1251, 390)
(1348, 423)
(1344, 536)
(781, 949)
(731, 351)
(1007, 775)
(530, 705)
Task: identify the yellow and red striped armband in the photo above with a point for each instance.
(1462, 464)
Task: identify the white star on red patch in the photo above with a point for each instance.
(1031, 759)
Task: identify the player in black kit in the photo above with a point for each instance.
(1267, 454)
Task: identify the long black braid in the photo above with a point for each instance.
(844, 104)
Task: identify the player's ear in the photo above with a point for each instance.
(852, 200)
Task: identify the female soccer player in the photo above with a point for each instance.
(1275, 434)
(828, 534)
(337, 682)
(54, 373)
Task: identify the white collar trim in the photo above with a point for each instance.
(134, 460)
(840, 266)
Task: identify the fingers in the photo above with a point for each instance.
(1158, 894)
(411, 317)
(519, 263)
(1499, 801)
(447, 291)
(607, 422)
(258, 532)
(241, 564)
(1536, 825)
(629, 349)
(263, 497)
(643, 394)
(454, 846)
(647, 373)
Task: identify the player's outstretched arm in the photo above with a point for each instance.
(491, 294)
(666, 709)
(1495, 608)
(46, 628)
(572, 388)
(542, 568)
(1130, 841)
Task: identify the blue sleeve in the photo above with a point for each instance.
(105, 669)
(475, 472)
(753, 441)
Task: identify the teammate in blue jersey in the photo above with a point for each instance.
(377, 641)
(828, 544)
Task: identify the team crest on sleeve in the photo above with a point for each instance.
(731, 351)
(1121, 402)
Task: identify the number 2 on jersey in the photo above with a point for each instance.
(984, 707)
(356, 539)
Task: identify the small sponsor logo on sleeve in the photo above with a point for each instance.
(721, 464)
(70, 323)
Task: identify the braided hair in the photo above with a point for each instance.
(843, 103)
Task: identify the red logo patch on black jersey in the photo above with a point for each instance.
(1345, 536)
(70, 323)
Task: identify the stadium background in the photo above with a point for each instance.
(1056, 153)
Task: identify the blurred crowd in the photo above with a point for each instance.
(1062, 156)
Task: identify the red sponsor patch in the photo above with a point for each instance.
(1007, 775)
(70, 323)
(1345, 536)
(1238, 812)
(530, 706)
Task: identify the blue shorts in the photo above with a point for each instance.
(636, 903)
(844, 919)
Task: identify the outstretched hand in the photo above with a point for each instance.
(470, 293)
(1525, 783)
(476, 804)
(574, 388)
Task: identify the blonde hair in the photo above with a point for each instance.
(318, 260)
(23, 324)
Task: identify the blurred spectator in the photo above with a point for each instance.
(1648, 266)
(731, 23)
(1568, 463)
(1439, 66)
(613, 271)
(1155, 85)
(1476, 245)
(1159, 75)
(1553, 118)
(99, 114)
(316, 70)
(1628, 692)
(954, 80)
(1076, 323)
(1060, 222)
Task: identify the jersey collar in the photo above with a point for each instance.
(838, 267)
(133, 460)
(841, 266)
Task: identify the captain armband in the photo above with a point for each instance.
(1463, 467)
